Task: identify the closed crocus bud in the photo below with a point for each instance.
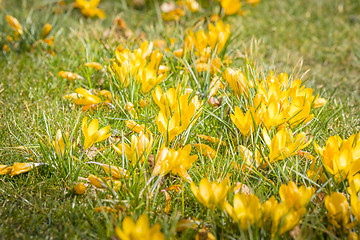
(142, 103)
(80, 188)
(46, 30)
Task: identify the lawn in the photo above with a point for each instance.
(202, 132)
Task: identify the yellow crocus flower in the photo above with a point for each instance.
(59, 143)
(178, 162)
(139, 149)
(237, 81)
(284, 144)
(14, 23)
(246, 123)
(230, 6)
(209, 194)
(18, 168)
(355, 207)
(338, 210)
(92, 133)
(140, 230)
(246, 210)
(341, 158)
(283, 219)
(295, 197)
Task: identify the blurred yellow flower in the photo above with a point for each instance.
(140, 230)
(79, 188)
(283, 219)
(45, 30)
(5, 169)
(14, 23)
(93, 65)
(246, 210)
(230, 6)
(211, 195)
(92, 133)
(89, 8)
(355, 207)
(295, 197)
(69, 75)
(338, 210)
(173, 15)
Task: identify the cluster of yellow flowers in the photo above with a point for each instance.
(41, 37)
(247, 210)
(141, 66)
(269, 120)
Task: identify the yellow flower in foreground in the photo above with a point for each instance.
(93, 65)
(177, 162)
(14, 23)
(338, 210)
(283, 219)
(341, 157)
(295, 197)
(92, 133)
(284, 144)
(19, 168)
(140, 230)
(80, 188)
(69, 75)
(246, 210)
(139, 149)
(46, 30)
(209, 194)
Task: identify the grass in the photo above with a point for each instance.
(284, 36)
